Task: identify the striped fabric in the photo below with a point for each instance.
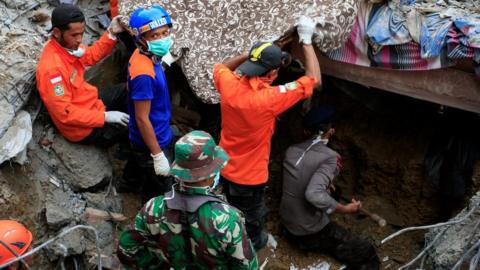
(443, 44)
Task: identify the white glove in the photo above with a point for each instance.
(160, 164)
(305, 29)
(115, 26)
(116, 117)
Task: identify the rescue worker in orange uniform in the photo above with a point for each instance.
(249, 107)
(15, 240)
(79, 111)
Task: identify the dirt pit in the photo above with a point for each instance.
(383, 149)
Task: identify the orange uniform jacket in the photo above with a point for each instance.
(249, 108)
(72, 103)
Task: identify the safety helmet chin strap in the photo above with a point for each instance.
(13, 253)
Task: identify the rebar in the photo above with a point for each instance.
(390, 237)
(474, 261)
(465, 255)
(422, 253)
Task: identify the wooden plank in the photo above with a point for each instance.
(450, 87)
(95, 214)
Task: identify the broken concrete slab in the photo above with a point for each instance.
(103, 202)
(106, 234)
(82, 166)
(16, 138)
(456, 240)
(63, 207)
(57, 216)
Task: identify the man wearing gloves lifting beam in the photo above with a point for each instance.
(249, 107)
(308, 172)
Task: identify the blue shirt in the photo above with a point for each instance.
(147, 81)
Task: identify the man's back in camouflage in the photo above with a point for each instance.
(195, 229)
(216, 233)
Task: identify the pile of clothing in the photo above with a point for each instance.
(413, 35)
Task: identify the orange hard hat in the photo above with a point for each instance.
(16, 237)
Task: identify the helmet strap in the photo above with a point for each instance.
(13, 253)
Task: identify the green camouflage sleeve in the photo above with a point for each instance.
(132, 250)
(234, 240)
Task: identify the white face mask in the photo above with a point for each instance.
(216, 181)
(78, 52)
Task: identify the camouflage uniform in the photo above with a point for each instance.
(215, 232)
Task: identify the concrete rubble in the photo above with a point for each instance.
(63, 180)
(456, 240)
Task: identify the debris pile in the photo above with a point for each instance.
(61, 186)
(459, 243)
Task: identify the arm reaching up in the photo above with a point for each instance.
(306, 28)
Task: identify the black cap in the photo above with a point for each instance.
(263, 57)
(318, 116)
(65, 14)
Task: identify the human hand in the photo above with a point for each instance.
(327, 135)
(353, 207)
(116, 117)
(115, 26)
(305, 29)
(160, 164)
(331, 188)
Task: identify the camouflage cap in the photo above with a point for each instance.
(197, 157)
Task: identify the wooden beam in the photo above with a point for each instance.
(451, 87)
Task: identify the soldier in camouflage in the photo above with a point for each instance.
(190, 227)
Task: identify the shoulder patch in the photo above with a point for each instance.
(55, 79)
(291, 86)
(58, 90)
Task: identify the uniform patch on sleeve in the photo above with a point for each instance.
(58, 90)
(282, 89)
(291, 86)
(55, 79)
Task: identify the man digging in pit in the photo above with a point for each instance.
(308, 172)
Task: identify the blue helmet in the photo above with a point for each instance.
(146, 19)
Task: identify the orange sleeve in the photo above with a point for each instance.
(223, 77)
(279, 98)
(98, 50)
(113, 8)
(55, 91)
